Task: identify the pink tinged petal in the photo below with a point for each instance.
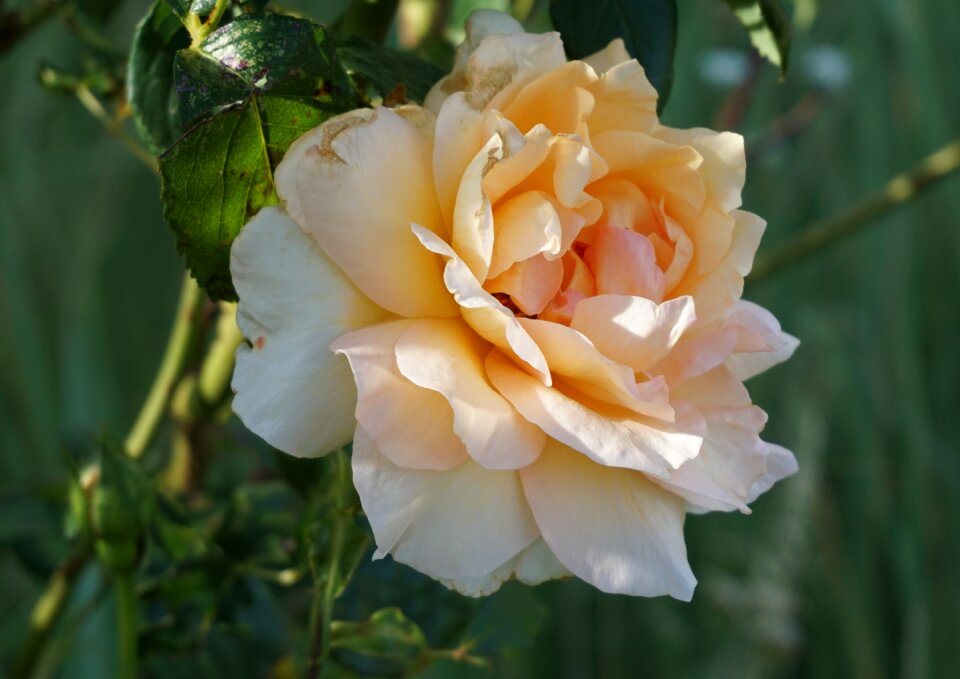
(626, 206)
(780, 464)
(774, 345)
(338, 179)
(488, 317)
(724, 161)
(562, 307)
(611, 527)
(530, 283)
(697, 354)
(447, 357)
(624, 263)
(624, 99)
(717, 388)
(634, 331)
(525, 225)
(611, 436)
(412, 426)
(473, 214)
(732, 459)
(612, 55)
(533, 565)
(462, 523)
(290, 389)
(575, 359)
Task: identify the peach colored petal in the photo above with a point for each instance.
(490, 319)
(573, 357)
(447, 357)
(724, 161)
(634, 331)
(716, 291)
(612, 528)
(346, 171)
(696, 354)
(518, 165)
(473, 215)
(412, 426)
(624, 99)
(459, 135)
(290, 389)
(611, 436)
(780, 464)
(624, 263)
(732, 459)
(462, 523)
(525, 225)
(533, 565)
(775, 346)
(530, 283)
(560, 99)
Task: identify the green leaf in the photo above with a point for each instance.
(199, 7)
(507, 621)
(648, 29)
(382, 71)
(278, 54)
(150, 89)
(220, 174)
(387, 634)
(769, 27)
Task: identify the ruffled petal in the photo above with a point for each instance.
(612, 436)
(634, 331)
(462, 523)
(612, 528)
(410, 425)
(491, 320)
(624, 263)
(775, 345)
(337, 180)
(446, 357)
(290, 388)
(780, 464)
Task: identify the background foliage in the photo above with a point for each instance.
(848, 569)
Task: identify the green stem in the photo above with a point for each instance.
(200, 30)
(368, 18)
(114, 127)
(822, 233)
(321, 609)
(48, 610)
(186, 329)
(127, 625)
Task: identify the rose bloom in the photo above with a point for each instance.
(522, 303)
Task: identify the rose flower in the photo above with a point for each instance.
(522, 304)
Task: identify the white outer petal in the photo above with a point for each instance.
(290, 388)
(461, 523)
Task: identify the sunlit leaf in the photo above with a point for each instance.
(769, 27)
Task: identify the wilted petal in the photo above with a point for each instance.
(339, 178)
(446, 356)
(290, 388)
(611, 527)
(461, 523)
(412, 426)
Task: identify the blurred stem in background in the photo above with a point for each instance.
(127, 624)
(823, 233)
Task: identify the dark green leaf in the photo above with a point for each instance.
(387, 634)
(199, 7)
(220, 174)
(769, 28)
(648, 29)
(150, 89)
(509, 620)
(386, 71)
(278, 54)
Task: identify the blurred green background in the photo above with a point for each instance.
(848, 569)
